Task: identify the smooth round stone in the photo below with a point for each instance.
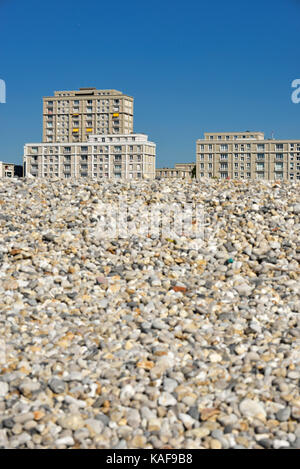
(166, 399)
(283, 414)
(57, 385)
(252, 409)
(3, 389)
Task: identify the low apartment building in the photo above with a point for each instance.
(181, 170)
(6, 170)
(102, 156)
(247, 155)
(72, 116)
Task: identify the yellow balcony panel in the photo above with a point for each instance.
(75, 130)
(89, 129)
(74, 115)
(116, 114)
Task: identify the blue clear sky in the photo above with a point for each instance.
(191, 66)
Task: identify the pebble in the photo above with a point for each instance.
(72, 422)
(283, 414)
(252, 409)
(279, 444)
(166, 399)
(4, 388)
(149, 341)
(65, 441)
(57, 385)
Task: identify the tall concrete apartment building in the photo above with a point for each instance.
(102, 156)
(71, 116)
(247, 155)
(89, 133)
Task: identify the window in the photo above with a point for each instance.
(260, 166)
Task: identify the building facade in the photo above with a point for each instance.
(247, 155)
(6, 170)
(102, 156)
(181, 171)
(71, 116)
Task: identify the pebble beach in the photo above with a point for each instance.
(148, 341)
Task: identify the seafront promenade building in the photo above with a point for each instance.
(102, 156)
(89, 133)
(181, 171)
(247, 155)
(71, 116)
